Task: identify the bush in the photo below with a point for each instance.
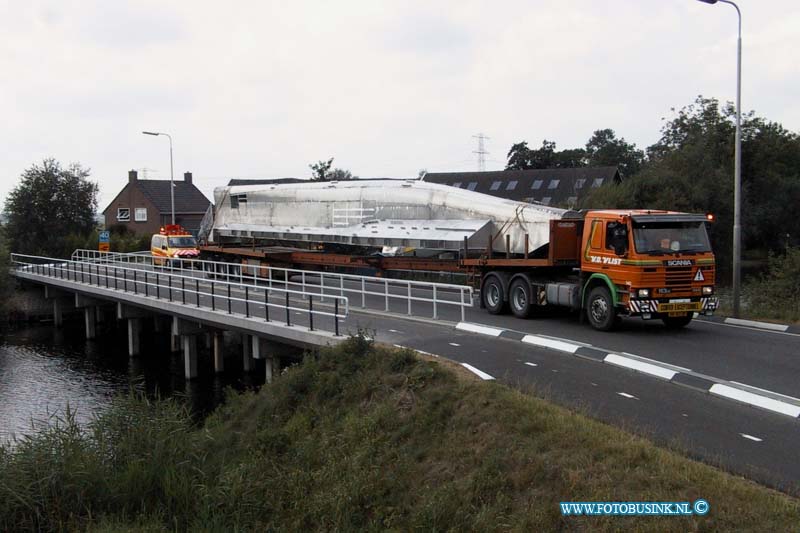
(777, 294)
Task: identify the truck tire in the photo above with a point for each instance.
(493, 295)
(677, 322)
(600, 309)
(519, 298)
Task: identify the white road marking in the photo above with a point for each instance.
(750, 437)
(640, 366)
(756, 324)
(684, 415)
(395, 331)
(554, 371)
(593, 384)
(480, 373)
(755, 399)
(550, 343)
(724, 325)
(531, 364)
(660, 363)
(414, 349)
(767, 391)
(453, 344)
(629, 396)
(478, 328)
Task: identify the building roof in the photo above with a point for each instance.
(557, 186)
(262, 181)
(188, 198)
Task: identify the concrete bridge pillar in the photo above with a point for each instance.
(219, 363)
(134, 317)
(189, 356)
(261, 351)
(90, 318)
(134, 336)
(247, 353)
(188, 332)
(58, 316)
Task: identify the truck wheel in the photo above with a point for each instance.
(519, 298)
(493, 295)
(600, 309)
(677, 322)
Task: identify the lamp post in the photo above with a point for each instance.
(737, 168)
(171, 177)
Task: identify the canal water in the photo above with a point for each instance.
(44, 369)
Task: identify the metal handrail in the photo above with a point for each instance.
(404, 289)
(116, 278)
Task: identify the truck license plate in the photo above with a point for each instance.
(680, 307)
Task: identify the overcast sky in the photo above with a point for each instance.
(262, 89)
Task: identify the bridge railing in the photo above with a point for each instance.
(220, 295)
(370, 291)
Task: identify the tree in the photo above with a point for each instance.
(340, 174)
(48, 205)
(320, 170)
(520, 157)
(604, 149)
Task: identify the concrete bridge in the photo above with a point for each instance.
(201, 298)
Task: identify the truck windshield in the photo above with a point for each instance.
(182, 242)
(670, 237)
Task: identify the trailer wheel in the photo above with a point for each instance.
(493, 295)
(677, 322)
(600, 309)
(519, 298)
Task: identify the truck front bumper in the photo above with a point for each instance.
(652, 308)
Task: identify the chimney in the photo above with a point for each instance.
(132, 176)
(187, 177)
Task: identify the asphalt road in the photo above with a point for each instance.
(741, 438)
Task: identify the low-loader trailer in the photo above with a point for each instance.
(608, 264)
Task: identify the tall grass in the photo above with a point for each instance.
(358, 438)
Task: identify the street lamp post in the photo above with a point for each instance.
(171, 177)
(737, 169)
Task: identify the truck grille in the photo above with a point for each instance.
(679, 279)
(676, 279)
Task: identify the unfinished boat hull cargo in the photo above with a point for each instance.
(380, 214)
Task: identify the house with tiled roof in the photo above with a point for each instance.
(560, 187)
(144, 206)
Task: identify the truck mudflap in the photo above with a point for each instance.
(704, 306)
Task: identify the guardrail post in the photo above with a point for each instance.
(310, 313)
(125, 278)
(363, 293)
(246, 301)
(197, 290)
(213, 305)
(386, 292)
(183, 290)
(266, 304)
(229, 298)
(169, 281)
(336, 316)
(288, 321)
(435, 313)
(158, 287)
(106, 275)
(409, 298)
(462, 305)
(81, 272)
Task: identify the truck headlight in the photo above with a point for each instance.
(643, 293)
(708, 290)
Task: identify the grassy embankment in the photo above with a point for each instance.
(361, 437)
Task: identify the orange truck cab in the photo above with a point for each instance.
(645, 263)
(171, 244)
